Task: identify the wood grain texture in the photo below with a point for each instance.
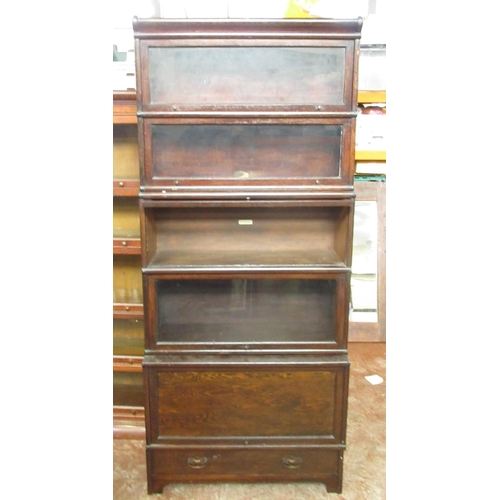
(248, 464)
(364, 474)
(245, 403)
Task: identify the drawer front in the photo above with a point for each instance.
(286, 463)
(233, 152)
(224, 75)
(248, 403)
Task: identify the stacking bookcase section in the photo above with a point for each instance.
(246, 311)
(229, 65)
(246, 418)
(183, 155)
(246, 143)
(245, 236)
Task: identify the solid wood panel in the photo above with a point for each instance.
(199, 404)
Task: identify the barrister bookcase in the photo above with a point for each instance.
(246, 145)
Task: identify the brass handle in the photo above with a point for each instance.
(124, 243)
(292, 462)
(197, 462)
(121, 184)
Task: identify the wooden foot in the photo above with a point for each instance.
(155, 486)
(333, 485)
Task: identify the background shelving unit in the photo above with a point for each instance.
(371, 187)
(128, 314)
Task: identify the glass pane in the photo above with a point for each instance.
(247, 75)
(246, 151)
(125, 152)
(128, 337)
(126, 221)
(246, 310)
(127, 279)
(128, 389)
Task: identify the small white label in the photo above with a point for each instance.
(245, 222)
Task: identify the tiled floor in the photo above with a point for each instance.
(364, 459)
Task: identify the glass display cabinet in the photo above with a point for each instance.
(246, 205)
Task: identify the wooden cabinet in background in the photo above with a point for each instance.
(128, 324)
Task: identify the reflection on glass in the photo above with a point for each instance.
(246, 310)
(246, 151)
(247, 75)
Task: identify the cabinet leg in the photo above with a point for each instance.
(155, 486)
(333, 486)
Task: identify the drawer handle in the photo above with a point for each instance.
(292, 462)
(197, 462)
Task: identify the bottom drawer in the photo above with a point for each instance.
(244, 464)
